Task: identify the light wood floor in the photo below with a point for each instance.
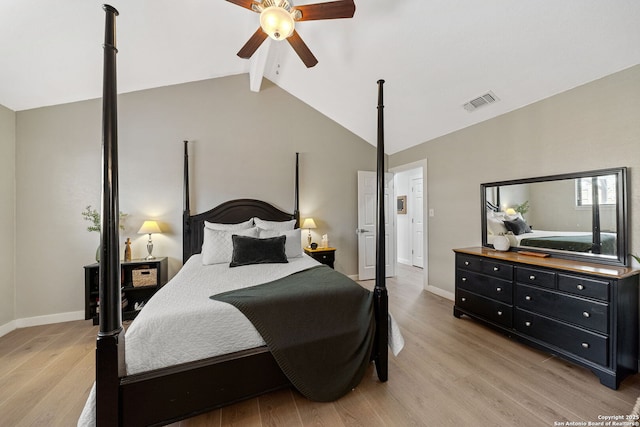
(451, 372)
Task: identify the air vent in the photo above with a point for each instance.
(481, 101)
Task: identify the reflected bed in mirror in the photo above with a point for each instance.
(580, 216)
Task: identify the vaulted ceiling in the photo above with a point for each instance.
(435, 55)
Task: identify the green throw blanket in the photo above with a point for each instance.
(317, 323)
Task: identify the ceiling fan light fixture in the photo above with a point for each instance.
(277, 22)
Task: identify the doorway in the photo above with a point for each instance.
(410, 223)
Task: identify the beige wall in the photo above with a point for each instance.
(244, 145)
(7, 214)
(593, 126)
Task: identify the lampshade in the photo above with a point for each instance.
(277, 21)
(149, 227)
(511, 211)
(309, 223)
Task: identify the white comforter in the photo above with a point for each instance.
(195, 327)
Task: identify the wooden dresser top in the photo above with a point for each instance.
(610, 271)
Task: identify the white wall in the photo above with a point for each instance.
(244, 145)
(7, 215)
(594, 126)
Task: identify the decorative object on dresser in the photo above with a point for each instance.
(309, 223)
(149, 227)
(139, 280)
(326, 256)
(583, 312)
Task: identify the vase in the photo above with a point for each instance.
(501, 243)
(98, 253)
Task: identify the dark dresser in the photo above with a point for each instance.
(585, 313)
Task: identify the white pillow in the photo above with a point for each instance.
(227, 227)
(275, 225)
(217, 245)
(496, 226)
(292, 245)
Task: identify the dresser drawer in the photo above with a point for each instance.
(584, 286)
(489, 309)
(537, 277)
(497, 269)
(480, 284)
(578, 341)
(582, 312)
(469, 263)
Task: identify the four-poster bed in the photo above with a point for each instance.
(170, 393)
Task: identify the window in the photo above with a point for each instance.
(606, 190)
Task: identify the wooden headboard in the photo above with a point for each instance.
(231, 212)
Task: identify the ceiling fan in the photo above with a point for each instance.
(278, 18)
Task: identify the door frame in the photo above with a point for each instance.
(425, 218)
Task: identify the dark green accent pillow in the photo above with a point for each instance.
(517, 226)
(252, 250)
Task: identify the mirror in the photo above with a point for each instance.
(581, 216)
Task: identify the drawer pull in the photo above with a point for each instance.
(498, 289)
(496, 268)
(464, 279)
(580, 287)
(585, 345)
(528, 298)
(586, 314)
(527, 323)
(532, 277)
(466, 263)
(463, 299)
(499, 313)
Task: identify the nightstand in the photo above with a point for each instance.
(140, 279)
(326, 256)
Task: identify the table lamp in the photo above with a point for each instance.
(309, 223)
(149, 227)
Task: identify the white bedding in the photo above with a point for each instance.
(195, 327)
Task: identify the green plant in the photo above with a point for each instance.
(523, 208)
(93, 216)
(636, 257)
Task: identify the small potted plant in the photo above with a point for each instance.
(93, 216)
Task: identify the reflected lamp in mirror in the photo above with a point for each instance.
(511, 211)
(309, 223)
(149, 227)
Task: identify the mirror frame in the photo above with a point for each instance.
(621, 216)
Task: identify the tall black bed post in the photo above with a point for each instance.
(110, 340)
(296, 195)
(186, 232)
(381, 298)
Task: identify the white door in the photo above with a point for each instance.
(367, 225)
(417, 222)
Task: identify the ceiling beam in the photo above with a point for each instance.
(257, 65)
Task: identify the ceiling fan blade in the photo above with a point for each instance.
(243, 3)
(330, 10)
(302, 50)
(252, 44)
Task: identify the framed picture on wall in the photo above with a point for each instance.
(402, 205)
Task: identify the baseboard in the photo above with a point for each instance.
(440, 292)
(48, 319)
(8, 327)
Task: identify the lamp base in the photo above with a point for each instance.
(150, 249)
